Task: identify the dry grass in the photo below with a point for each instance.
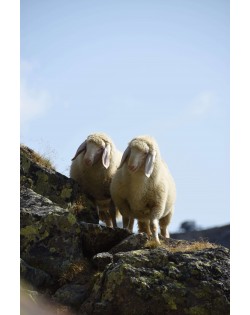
(37, 158)
(78, 205)
(181, 246)
(74, 271)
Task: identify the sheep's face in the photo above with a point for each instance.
(137, 159)
(93, 153)
(94, 148)
(139, 156)
(96, 151)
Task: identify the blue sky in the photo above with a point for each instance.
(129, 68)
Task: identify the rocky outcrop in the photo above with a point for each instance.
(157, 281)
(50, 235)
(69, 266)
(52, 239)
(37, 174)
(45, 180)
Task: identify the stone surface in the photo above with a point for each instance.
(60, 189)
(99, 238)
(133, 242)
(37, 277)
(101, 260)
(45, 180)
(50, 235)
(156, 281)
(72, 294)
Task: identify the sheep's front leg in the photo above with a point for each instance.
(143, 227)
(154, 229)
(128, 222)
(125, 222)
(131, 224)
(105, 217)
(112, 211)
(164, 222)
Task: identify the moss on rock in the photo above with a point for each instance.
(158, 282)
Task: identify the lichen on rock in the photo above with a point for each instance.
(159, 282)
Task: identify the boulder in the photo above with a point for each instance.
(38, 278)
(72, 294)
(38, 174)
(98, 238)
(50, 235)
(158, 281)
(52, 238)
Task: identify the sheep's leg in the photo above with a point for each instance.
(143, 227)
(108, 221)
(104, 217)
(154, 229)
(131, 224)
(164, 222)
(125, 222)
(98, 211)
(112, 211)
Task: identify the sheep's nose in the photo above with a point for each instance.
(132, 168)
(88, 162)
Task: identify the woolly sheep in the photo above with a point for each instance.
(93, 166)
(143, 188)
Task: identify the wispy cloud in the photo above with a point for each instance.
(34, 101)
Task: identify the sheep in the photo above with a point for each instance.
(143, 188)
(93, 166)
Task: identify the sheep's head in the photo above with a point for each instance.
(139, 155)
(93, 149)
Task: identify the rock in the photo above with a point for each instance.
(50, 235)
(37, 174)
(132, 242)
(156, 281)
(52, 239)
(72, 294)
(85, 211)
(37, 277)
(45, 180)
(101, 260)
(99, 238)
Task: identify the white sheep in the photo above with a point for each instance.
(93, 166)
(143, 188)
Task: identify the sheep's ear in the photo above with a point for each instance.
(149, 165)
(106, 156)
(81, 148)
(124, 156)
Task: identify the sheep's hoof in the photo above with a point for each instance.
(153, 243)
(155, 239)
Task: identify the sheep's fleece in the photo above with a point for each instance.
(93, 166)
(143, 188)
